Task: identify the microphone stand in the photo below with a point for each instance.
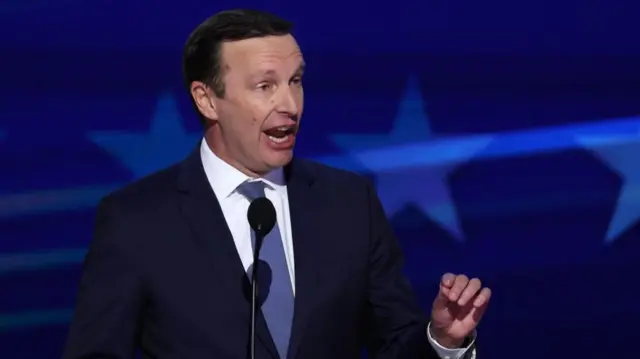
(254, 293)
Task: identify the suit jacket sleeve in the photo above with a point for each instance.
(105, 322)
(398, 327)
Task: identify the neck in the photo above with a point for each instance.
(218, 147)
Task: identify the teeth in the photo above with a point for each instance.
(278, 140)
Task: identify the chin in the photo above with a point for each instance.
(280, 159)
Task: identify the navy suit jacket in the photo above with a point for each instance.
(163, 275)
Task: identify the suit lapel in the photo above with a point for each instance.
(203, 213)
(306, 215)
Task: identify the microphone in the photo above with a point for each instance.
(262, 218)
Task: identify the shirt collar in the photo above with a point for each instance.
(225, 179)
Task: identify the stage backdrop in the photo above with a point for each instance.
(502, 136)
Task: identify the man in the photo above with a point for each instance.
(166, 271)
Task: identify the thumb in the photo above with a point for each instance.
(442, 299)
(446, 283)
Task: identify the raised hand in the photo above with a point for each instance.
(457, 309)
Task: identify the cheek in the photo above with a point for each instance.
(244, 113)
(300, 100)
(260, 110)
(241, 121)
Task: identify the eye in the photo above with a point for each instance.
(296, 80)
(265, 86)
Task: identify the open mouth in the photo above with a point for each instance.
(280, 134)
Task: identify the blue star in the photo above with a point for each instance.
(167, 141)
(425, 186)
(619, 153)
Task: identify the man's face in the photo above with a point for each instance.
(258, 117)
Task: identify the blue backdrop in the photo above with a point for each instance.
(502, 137)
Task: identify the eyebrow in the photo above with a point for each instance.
(268, 73)
(272, 73)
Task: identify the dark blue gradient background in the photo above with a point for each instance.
(91, 98)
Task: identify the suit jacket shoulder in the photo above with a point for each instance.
(145, 192)
(339, 179)
(130, 217)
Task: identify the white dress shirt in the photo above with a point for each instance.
(225, 179)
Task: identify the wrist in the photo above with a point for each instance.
(445, 340)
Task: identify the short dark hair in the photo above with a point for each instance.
(201, 57)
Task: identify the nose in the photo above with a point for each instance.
(287, 102)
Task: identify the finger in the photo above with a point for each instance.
(476, 315)
(459, 284)
(472, 318)
(482, 300)
(447, 280)
(472, 289)
(442, 299)
(445, 288)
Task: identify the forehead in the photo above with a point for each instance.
(262, 53)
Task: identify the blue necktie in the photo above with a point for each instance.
(275, 292)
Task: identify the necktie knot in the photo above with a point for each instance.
(252, 189)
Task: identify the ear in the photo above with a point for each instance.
(203, 101)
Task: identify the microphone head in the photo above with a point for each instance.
(261, 216)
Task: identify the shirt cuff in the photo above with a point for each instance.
(446, 353)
